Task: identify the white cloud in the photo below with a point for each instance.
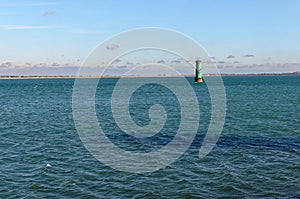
(112, 46)
(49, 13)
(230, 57)
(23, 27)
(55, 64)
(248, 55)
(6, 65)
(161, 62)
(26, 4)
(82, 32)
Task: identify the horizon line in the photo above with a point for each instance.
(296, 73)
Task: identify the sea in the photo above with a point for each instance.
(256, 156)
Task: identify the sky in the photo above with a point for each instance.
(241, 36)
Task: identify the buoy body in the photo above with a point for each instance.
(198, 74)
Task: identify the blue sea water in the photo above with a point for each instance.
(257, 155)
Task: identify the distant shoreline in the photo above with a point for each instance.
(154, 76)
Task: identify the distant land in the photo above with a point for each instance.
(297, 73)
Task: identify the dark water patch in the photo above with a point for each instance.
(281, 144)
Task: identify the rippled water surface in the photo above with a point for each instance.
(257, 155)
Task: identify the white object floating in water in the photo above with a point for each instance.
(48, 165)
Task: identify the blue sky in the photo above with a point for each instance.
(60, 34)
